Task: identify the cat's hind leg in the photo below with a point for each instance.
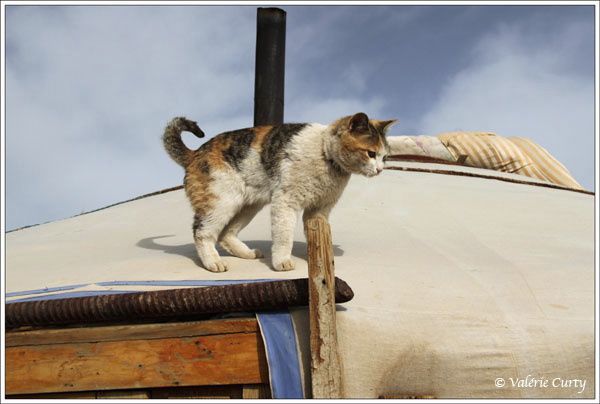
(207, 229)
(205, 246)
(216, 197)
(229, 239)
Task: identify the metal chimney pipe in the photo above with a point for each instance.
(270, 66)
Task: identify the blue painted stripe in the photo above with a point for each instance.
(141, 283)
(45, 290)
(282, 354)
(183, 282)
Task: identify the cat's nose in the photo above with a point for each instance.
(379, 170)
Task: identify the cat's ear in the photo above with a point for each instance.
(359, 122)
(383, 126)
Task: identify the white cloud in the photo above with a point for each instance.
(516, 86)
(89, 90)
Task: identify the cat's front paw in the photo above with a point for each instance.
(217, 266)
(284, 265)
(258, 253)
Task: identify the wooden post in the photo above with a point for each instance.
(325, 361)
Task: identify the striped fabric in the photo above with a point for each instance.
(429, 146)
(516, 155)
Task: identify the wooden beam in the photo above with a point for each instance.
(129, 332)
(326, 371)
(77, 395)
(198, 392)
(235, 391)
(123, 394)
(233, 358)
(256, 391)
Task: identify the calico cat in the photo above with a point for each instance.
(295, 167)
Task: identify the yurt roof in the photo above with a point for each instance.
(458, 279)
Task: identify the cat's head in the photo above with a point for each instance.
(362, 144)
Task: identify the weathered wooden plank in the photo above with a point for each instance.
(78, 395)
(256, 391)
(187, 361)
(198, 392)
(123, 394)
(130, 332)
(326, 374)
(246, 391)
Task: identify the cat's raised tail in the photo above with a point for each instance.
(172, 139)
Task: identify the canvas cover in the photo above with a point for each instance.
(459, 281)
(517, 155)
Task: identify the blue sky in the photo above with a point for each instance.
(89, 89)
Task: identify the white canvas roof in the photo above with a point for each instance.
(458, 280)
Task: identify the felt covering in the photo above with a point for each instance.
(458, 281)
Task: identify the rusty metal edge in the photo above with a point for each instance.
(167, 304)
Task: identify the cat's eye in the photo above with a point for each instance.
(371, 154)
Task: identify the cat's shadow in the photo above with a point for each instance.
(189, 250)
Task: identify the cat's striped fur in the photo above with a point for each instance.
(295, 167)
